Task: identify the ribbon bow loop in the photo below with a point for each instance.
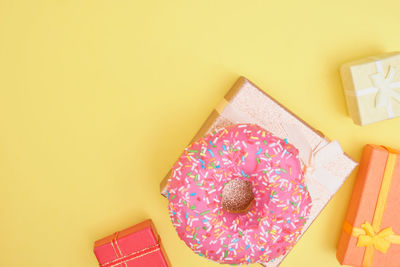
(386, 87)
(314, 158)
(370, 238)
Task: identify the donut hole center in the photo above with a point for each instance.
(237, 196)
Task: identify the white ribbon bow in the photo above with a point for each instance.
(385, 88)
(315, 159)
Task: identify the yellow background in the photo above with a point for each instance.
(98, 99)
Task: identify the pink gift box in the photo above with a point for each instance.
(138, 246)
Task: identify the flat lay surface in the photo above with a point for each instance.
(98, 99)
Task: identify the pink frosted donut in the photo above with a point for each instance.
(273, 222)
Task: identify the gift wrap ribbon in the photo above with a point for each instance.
(123, 259)
(315, 158)
(370, 235)
(383, 87)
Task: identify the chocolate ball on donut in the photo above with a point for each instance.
(237, 196)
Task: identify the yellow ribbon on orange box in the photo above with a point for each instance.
(367, 236)
(371, 236)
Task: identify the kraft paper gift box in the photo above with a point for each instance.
(137, 246)
(372, 88)
(371, 232)
(327, 167)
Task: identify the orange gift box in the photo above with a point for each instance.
(371, 232)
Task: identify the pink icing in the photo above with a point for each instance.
(282, 203)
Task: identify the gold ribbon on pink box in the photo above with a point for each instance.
(123, 260)
(138, 245)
